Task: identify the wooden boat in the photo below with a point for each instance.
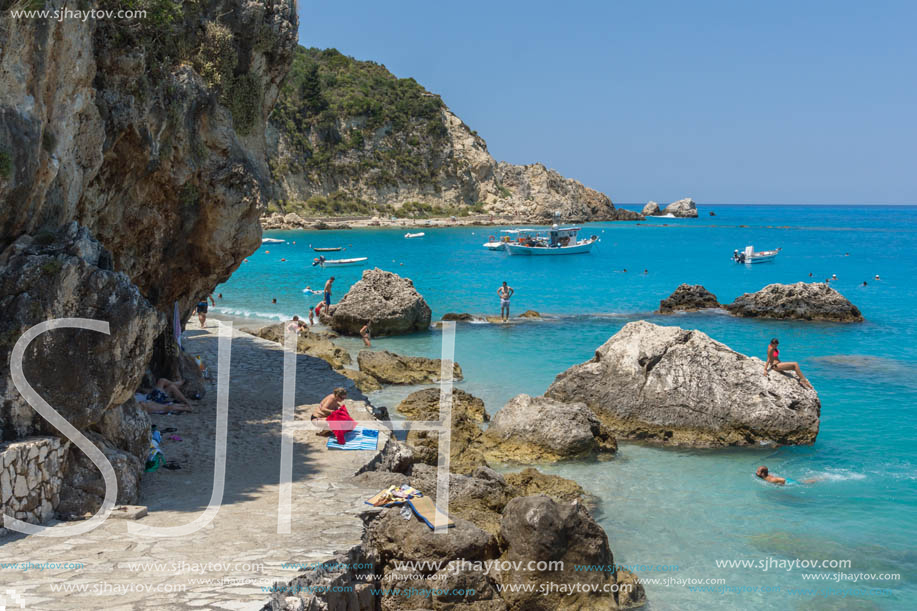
(553, 241)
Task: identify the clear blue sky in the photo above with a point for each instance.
(726, 102)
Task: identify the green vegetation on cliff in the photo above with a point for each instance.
(355, 119)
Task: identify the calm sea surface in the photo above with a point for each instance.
(677, 513)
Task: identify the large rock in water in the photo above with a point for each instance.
(533, 429)
(682, 208)
(681, 387)
(688, 297)
(651, 209)
(803, 301)
(391, 368)
(388, 301)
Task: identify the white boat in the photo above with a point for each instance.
(506, 235)
(415, 235)
(749, 256)
(553, 241)
(343, 262)
(272, 241)
(328, 249)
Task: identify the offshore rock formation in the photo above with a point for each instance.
(535, 429)
(350, 131)
(651, 209)
(802, 301)
(688, 298)
(132, 176)
(387, 301)
(682, 208)
(680, 387)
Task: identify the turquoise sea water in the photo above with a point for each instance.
(669, 507)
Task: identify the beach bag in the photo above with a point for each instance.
(339, 421)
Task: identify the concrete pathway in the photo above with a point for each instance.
(226, 564)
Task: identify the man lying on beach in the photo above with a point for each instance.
(161, 399)
(327, 406)
(764, 474)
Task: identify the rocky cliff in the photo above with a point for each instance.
(348, 137)
(132, 176)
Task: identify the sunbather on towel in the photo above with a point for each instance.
(328, 405)
(167, 393)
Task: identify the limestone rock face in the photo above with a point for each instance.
(536, 528)
(538, 192)
(683, 208)
(467, 412)
(391, 368)
(132, 176)
(363, 381)
(651, 209)
(801, 301)
(688, 297)
(424, 405)
(386, 300)
(531, 429)
(313, 344)
(530, 482)
(81, 373)
(681, 387)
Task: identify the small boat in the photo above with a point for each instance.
(749, 255)
(414, 235)
(507, 235)
(272, 241)
(329, 249)
(553, 241)
(343, 262)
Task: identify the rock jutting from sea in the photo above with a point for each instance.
(388, 302)
(688, 298)
(684, 208)
(680, 387)
(800, 301)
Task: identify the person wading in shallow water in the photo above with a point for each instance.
(505, 292)
(364, 333)
(774, 362)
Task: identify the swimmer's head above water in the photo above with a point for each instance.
(761, 472)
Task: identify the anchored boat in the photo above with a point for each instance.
(415, 235)
(322, 261)
(328, 249)
(750, 256)
(272, 241)
(553, 241)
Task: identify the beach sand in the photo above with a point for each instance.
(241, 545)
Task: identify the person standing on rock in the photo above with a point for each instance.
(328, 292)
(774, 362)
(505, 292)
(201, 309)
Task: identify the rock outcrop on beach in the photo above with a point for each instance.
(387, 301)
(688, 298)
(800, 301)
(682, 208)
(391, 368)
(535, 429)
(680, 387)
(651, 209)
(308, 342)
(348, 137)
(155, 150)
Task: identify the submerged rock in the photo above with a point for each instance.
(685, 208)
(651, 209)
(680, 387)
(688, 297)
(389, 302)
(391, 368)
(802, 301)
(535, 429)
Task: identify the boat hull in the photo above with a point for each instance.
(339, 248)
(536, 251)
(344, 262)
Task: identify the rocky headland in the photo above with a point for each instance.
(680, 387)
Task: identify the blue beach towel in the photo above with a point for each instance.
(357, 439)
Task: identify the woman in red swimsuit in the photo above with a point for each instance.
(774, 362)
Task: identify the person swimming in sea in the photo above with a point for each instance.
(774, 362)
(764, 474)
